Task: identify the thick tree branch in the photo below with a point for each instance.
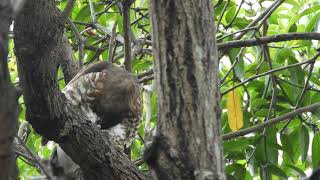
(68, 63)
(47, 109)
(8, 98)
(270, 122)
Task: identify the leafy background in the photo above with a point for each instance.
(277, 152)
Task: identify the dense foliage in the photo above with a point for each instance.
(267, 80)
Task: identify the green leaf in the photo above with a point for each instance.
(307, 11)
(239, 69)
(316, 98)
(283, 54)
(84, 14)
(277, 171)
(230, 13)
(261, 113)
(312, 23)
(258, 102)
(316, 151)
(237, 145)
(297, 170)
(230, 169)
(241, 23)
(293, 138)
(304, 142)
(260, 154)
(230, 177)
(293, 28)
(287, 147)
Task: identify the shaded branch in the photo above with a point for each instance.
(68, 8)
(126, 36)
(68, 63)
(9, 108)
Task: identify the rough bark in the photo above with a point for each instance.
(8, 99)
(38, 43)
(188, 140)
(68, 63)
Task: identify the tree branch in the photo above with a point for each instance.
(68, 8)
(80, 40)
(126, 36)
(68, 63)
(46, 107)
(270, 122)
(268, 39)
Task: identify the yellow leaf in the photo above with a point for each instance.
(235, 114)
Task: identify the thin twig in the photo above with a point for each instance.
(80, 42)
(306, 84)
(223, 11)
(98, 14)
(119, 38)
(36, 160)
(272, 71)
(272, 76)
(234, 17)
(296, 85)
(304, 90)
(138, 19)
(112, 40)
(232, 66)
(266, 13)
(92, 12)
(231, 34)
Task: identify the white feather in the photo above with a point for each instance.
(97, 77)
(118, 131)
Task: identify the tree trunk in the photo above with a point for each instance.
(8, 99)
(188, 140)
